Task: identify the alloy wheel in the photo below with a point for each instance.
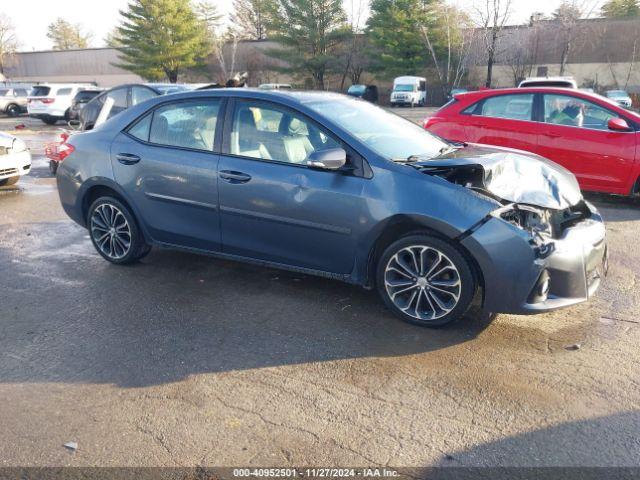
(422, 282)
(111, 231)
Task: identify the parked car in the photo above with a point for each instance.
(329, 185)
(15, 159)
(13, 100)
(558, 82)
(408, 90)
(621, 97)
(274, 86)
(594, 138)
(123, 97)
(366, 92)
(52, 102)
(81, 99)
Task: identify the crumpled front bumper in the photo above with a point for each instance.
(514, 272)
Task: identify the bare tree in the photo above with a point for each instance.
(250, 18)
(491, 18)
(224, 42)
(451, 33)
(566, 19)
(8, 42)
(354, 59)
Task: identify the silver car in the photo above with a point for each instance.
(13, 100)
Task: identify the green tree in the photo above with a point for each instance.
(250, 18)
(395, 31)
(312, 32)
(66, 36)
(161, 38)
(621, 9)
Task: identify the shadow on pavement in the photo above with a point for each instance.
(69, 316)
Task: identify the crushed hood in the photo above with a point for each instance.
(510, 175)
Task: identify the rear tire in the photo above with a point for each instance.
(53, 167)
(9, 181)
(50, 120)
(13, 110)
(114, 232)
(425, 280)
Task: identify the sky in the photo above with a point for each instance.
(31, 17)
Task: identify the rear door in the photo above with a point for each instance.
(167, 163)
(575, 135)
(503, 120)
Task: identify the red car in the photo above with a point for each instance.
(589, 135)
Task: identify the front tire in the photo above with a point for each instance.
(50, 120)
(53, 167)
(114, 232)
(425, 280)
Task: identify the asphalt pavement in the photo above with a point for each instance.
(186, 360)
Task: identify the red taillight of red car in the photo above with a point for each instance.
(429, 121)
(59, 151)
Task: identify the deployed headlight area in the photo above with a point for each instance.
(543, 224)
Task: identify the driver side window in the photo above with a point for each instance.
(270, 133)
(575, 112)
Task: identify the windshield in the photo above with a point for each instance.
(617, 94)
(387, 134)
(404, 88)
(356, 89)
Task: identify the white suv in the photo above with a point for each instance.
(51, 102)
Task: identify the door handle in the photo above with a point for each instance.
(127, 158)
(234, 177)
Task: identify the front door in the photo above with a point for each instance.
(272, 205)
(167, 165)
(576, 136)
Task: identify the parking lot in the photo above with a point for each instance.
(185, 360)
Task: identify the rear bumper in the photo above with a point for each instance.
(515, 273)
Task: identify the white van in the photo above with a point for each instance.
(409, 91)
(51, 102)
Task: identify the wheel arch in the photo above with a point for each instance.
(404, 225)
(98, 187)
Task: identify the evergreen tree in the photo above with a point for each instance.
(311, 32)
(621, 9)
(66, 36)
(159, 38)
(394, 28)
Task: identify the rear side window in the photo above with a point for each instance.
(186, 124)
(141, 128)
(40, 91)
(64, 91)
(20, 92)
(83, 96)
(513, 107)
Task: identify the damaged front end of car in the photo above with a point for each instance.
(550, 242)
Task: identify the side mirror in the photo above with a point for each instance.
(618, 125)
(329, 159)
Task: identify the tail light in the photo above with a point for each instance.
(430, 121)
(59, 151)
(48, 100)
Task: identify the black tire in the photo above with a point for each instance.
(13, 110)
(53, 167)
(50, 120)
(120, 255)
(9, 181)
(429, 297)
